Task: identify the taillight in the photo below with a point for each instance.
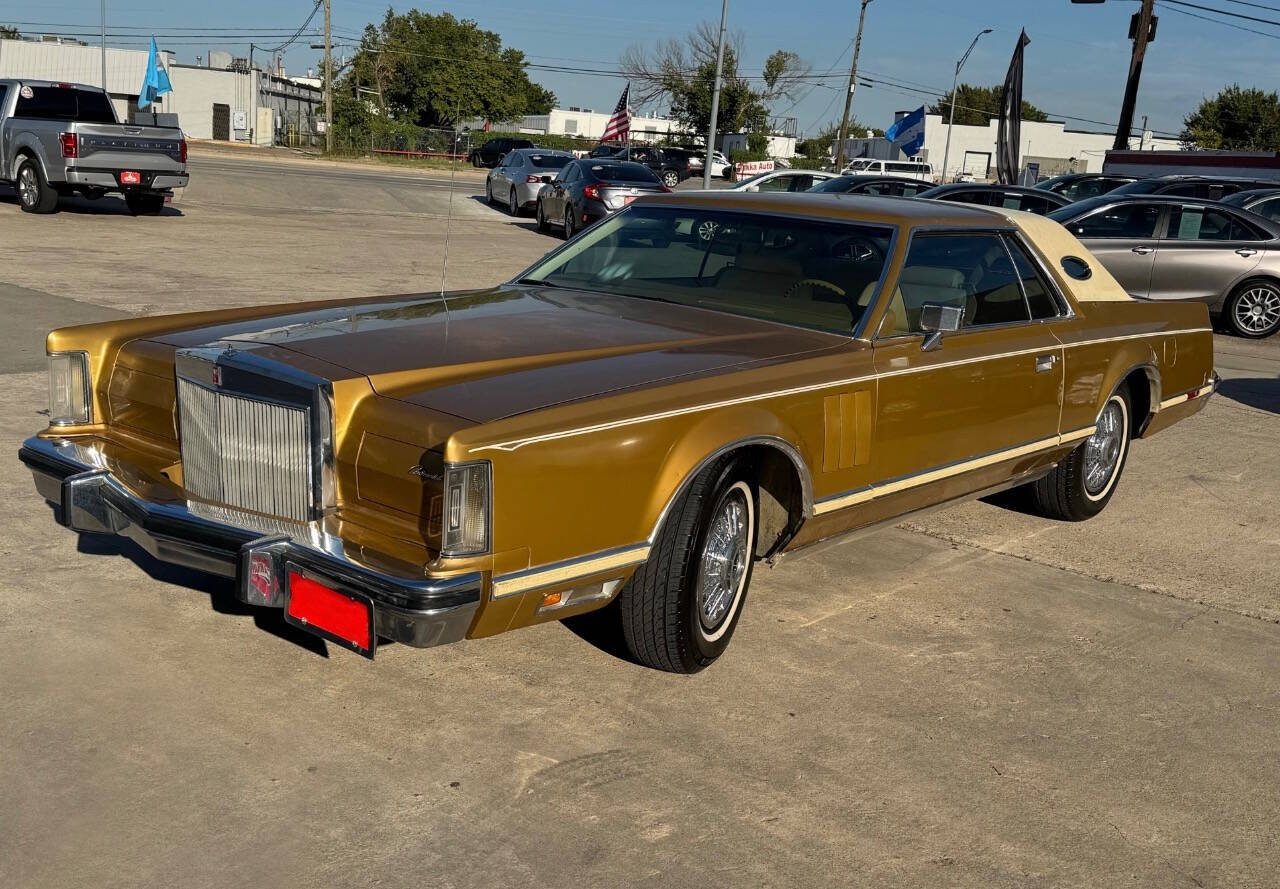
(70, 144)
(182, 150)
(530, 179)
(591, 191)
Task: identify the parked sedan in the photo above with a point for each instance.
(521, 175)
(720, 165)
(1211, 188)
(1078, 186)
(886, 186)
(590, 189)
(1263, 201)
(1182, 249)
(783, 180)
(1010, 197)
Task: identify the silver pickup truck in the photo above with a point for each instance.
(62, 138)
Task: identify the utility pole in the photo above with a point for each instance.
(715, 99)
(1141, 36)
(104, 47)
(328, 82)
(1142, 140)
(253, 88)
(853, 82)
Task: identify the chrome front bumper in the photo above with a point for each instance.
(91, 497)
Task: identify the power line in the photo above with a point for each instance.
(1205, 18)
(1254, 5)
(1226, 12)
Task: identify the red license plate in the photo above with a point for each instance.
(130, 177)
(628, 199)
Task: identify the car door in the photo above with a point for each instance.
(986, 392)
(553, 204)
(1204, 251)
(507, 173)
(1123, 237)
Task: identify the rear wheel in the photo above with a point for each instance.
(513, 203)
(144, 203)
(35, 195)
(679, 610)
(540, 214)
(670, 178)
(568, 222)
(1081, 485)
(1253, 311)
(488, 192)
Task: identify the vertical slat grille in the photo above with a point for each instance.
(246, 453)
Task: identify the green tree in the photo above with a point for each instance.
(681, 75)
(819, 145)
(8, 32)
(1236, 119)
(976, 105)
(434, 70)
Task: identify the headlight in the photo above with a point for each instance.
(466, 510)
(69, 389)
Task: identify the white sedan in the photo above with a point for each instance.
(783, 180)
(720, 165)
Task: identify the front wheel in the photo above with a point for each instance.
(1253, 311)
(680, 608)
(1080, 486)
(568, 222)
(35, 195)
(670, 178)
(540, 215)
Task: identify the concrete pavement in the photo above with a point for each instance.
(978, 698)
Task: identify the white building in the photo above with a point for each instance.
(779, 146)
(588, 124)
(211, 103)
(1048, 147)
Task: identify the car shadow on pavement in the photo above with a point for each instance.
(1262, 393)
(219, 591)
(527, 222)
(601, 629)
(103, 206)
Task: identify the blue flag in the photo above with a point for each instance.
(907, 133)
(155, 83)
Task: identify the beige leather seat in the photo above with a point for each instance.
(918, 285)
(761, 273)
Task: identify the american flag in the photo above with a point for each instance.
(618, 129)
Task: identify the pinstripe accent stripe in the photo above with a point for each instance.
(569, 570)
(515, 444)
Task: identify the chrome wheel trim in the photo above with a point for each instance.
(723, 563)
(28, 185)
(671, 180)
(1104, 449)
(513, 203)
(1257, 310)
(707, 229)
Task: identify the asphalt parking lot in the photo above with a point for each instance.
(977, 698)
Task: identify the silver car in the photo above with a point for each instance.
(1175, 248)
(520, 175)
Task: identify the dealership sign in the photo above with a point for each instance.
(752, 168)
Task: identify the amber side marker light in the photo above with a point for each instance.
(341, 617)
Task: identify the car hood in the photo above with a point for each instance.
(489, 354)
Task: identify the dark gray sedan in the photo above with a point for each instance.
(1166, 247)
(1010, 197)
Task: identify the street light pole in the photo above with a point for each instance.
(848, 97)
(328, 83)
(955, 82)
(715, 99)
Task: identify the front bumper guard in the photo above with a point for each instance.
(417, 610)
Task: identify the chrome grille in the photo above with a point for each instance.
(244, 452)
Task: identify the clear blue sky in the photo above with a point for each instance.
(1075, 65)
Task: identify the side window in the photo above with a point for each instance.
(910, 191)
(777, 183)
(1039, 297)
(1034, 204)
(1269, 209)
(971, 271)
(800, 183)
(1124, 221)
(969, 197)
(1207, 224)
(1187, 190)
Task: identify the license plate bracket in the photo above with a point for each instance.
(326, 608)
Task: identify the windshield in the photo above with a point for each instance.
(624, 172)
(549, 161)
(820, 275)
(840, 184)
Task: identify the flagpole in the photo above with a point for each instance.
(626, 109)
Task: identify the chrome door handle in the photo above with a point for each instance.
(1246, 251)
(1045, 363)
(1142, 251)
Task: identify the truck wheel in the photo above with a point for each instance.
(34, 194)
(1082, 484)
(144, 204)
(670, 178)
(680, 608)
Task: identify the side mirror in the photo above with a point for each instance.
(935, 320)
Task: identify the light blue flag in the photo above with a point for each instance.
(155, 83)
(907, 133)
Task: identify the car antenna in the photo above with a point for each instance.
(448, 221)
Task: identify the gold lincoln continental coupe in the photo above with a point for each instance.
(694, 385)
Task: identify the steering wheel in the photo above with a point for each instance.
(814, 282)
